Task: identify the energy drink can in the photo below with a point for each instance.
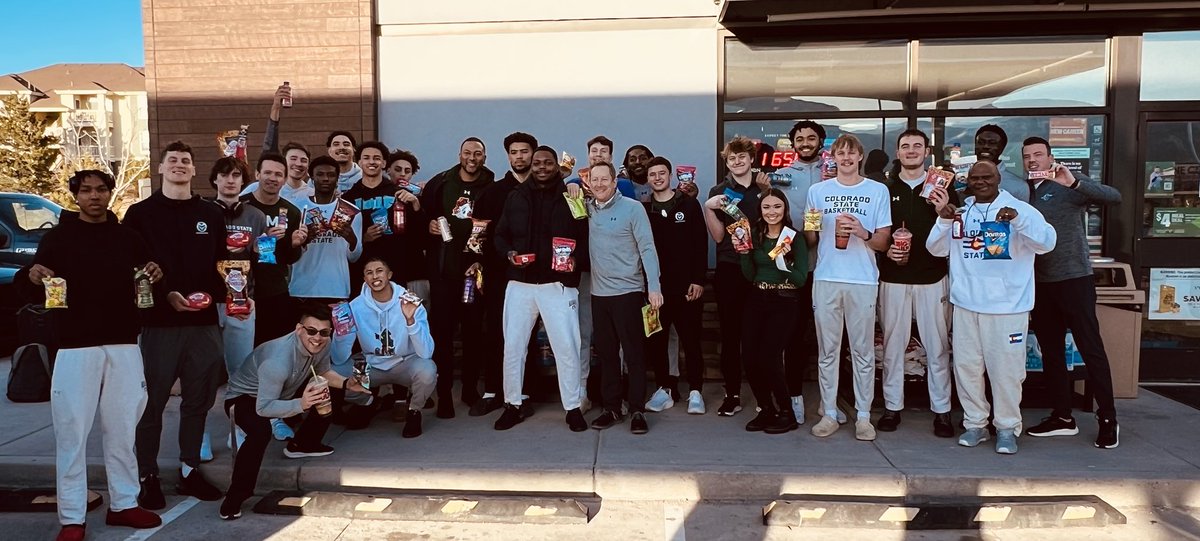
(444, 225)
(468, 296)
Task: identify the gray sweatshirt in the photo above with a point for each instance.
(621, 246)
(1066, 210)
(274, 373)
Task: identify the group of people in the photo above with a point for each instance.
(282, 279)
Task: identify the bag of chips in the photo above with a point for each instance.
(650, 320)
(343, 215)
(739, 235)
(380, 218)
(266, 249)
(56, 292)
(475, 241)
(577, 205)
(685, 173)
(236, 275)
(232, 143)
(732, 198)
(314, 221)
(934, 178)
(996, 237)
(563, 248)
(343, 319)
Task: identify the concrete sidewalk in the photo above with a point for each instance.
(686, 457)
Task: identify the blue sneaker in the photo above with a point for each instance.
(1006, 442)
(973, 437)
(281, 431)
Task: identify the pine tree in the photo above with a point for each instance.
(27, 154)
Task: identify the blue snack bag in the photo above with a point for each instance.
(266, 249)
(733, 195)
(996, 237)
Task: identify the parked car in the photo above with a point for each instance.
(24, 220)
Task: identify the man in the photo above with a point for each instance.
(408, 253)
(491, 204)
(846, 281)
(393, 331)
(682, 249)
(243, 225)
(373, 195)
(99, 365)
(274, 315)
(635, 185)
(624, 267)
(990, 141)
(452, 195)
(991, 245)
(342, 147)
(298, 188)
(913, 284)
(323, 271)
(535, 218)
(180, 339)
(268, 385)
(1066, 294)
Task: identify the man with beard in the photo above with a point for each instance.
(635, 185)
(410, 269)
(536, 220)
(990, 141)
(272, 302)
(342, 147)
(452, 195)
(519, 147)
(373, 195)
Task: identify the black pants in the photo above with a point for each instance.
(685, 317)
(258, 435)
(803, 342)
(767, 321)
(1070, 304)
(193, 355)
(731, 289)
(616, 326)
(451, 314)
(274, 317)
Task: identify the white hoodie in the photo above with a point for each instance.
(376, 321)
(992, 286)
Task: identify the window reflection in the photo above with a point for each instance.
(1167, 58)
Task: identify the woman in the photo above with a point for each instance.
(771, 309)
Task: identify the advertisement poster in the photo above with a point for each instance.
(1176, 222)
(1175, 294)
(1160, 177)
(1068, 132)
(1076, 159)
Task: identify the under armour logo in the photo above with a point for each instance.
(895, 199)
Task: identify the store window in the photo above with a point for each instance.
(876, 134)
(1166, 61)
(1171, 178)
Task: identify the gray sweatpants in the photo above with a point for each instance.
(193, 355)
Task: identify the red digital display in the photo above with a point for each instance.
(778, 159)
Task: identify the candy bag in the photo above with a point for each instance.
(232, 143)
(578, 207)
(314, 221)
(343, 215)
(934, 178)
(685, 173)
(380, 218)
(343, 319)
(236, 275)
(730, 207)
(739, 235)
(812, 220)
(266, 249)
(56, 292)
(475, 241)
(650, 320)
(996, 237)
(562, 260)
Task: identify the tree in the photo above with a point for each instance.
(27, 153)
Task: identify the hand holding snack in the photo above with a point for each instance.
(519, 260)
(180, 303)
(656, 300)
(689, 189)
(409, 309)
(941, 203)
(56, 292)
(277, 232)
(1063, 174)
(373, 233)
(574, 191)
(37, 273)
(1007, 214)
(406, 197)
(299, 237)
(715, 202)
(246, 316)
(153, 271)
(763, 181)
(473, 269)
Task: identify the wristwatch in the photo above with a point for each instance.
(869, 235)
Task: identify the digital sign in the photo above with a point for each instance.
(777, 159)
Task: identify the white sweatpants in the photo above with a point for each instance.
(111, 378)
(238, 336)
(836, 305)
(995, 345)
(898, 304)
(558, 305)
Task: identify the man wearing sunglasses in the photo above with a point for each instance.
(277, 381)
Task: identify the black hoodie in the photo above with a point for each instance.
(681, 239)
(186, 238)
(447, 260)
(532, 217)
(98, 263)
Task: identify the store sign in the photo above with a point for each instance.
(1176, 222)
(1076, 159)
(1175, 294)
(1068, 132)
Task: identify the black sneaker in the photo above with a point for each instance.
(428, 404)
(511, 417)
(1054, 426)
(942, 427)
(485, 406)
(576, 421)
(1109, 436)
(784, 422)
(527, 408)
(470, 398)
(295, 450)
(637, 423)
(197, 486)
(231, 508)
(359, 417)
(607, 419)
(412, 424)
(730, 406)
(889, 421)
(761, 421)
(151, 496)
(445, 408)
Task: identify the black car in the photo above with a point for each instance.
(24, 220)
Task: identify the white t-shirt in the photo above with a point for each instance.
(869, 202)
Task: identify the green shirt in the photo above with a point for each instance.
(757, 267)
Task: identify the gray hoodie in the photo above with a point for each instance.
(621, 246)
(273, 374)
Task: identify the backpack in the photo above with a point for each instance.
(29, 376)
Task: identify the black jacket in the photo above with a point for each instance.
(490, 206)
(750, 207)
(98, 263)
(917, 215)
(436, 251)
(403, 252)
(186, 238)
(532, 218)
(681, 239)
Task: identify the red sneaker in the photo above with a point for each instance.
(134, 517)
(70, 532)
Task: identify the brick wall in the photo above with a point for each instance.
(212, 65)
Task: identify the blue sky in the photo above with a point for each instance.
(83, 31)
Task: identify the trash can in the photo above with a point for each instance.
(1119, 308)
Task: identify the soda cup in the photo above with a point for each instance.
(902, 242)
(841, 238)
(444, 225)
(325, 407)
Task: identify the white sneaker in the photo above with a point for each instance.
(695, 403)
(660, 400)
(241, 438)
(206, 448)
(281, 430)
(798, 408)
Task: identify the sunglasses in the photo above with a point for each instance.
(313, 331)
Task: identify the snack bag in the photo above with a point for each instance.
(237, 239)
(934, 178)
(361, 372)
(199, 300)
(812, 220)
(475, 241)
(463, 208)
(962, 166)
(343, 214)
(995, 239)
(562, 261)
(578, 207)
(380, 218)
(783, 241)
(731, 205)
(650, 320)
(343, 319)
(410, 298)
(828, 165)
(739, 234)
(566, 164)
(233, 142)
(685, 173)
(1040, 175)
(56, 292)
(236, 275)
(266, 249)
(314, 221)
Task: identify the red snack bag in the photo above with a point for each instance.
(237, 239)
(343, 215)
(199, 300)
(739, 235)
(563, 261)
(236, 275)
(524, 258)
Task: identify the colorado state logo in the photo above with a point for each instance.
(679, 217)
(201, 228)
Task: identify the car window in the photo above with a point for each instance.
(31, 214)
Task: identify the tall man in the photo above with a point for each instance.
(180, 339)
(990, 141)
(452, 195)
(373, 195)
(272, 303)
(535, 218)
(682, 248)
(1066, 294)
(846, 280)
(991, 244)
(913, 283)
(342, 147)
(98, 363)
(624, 266)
